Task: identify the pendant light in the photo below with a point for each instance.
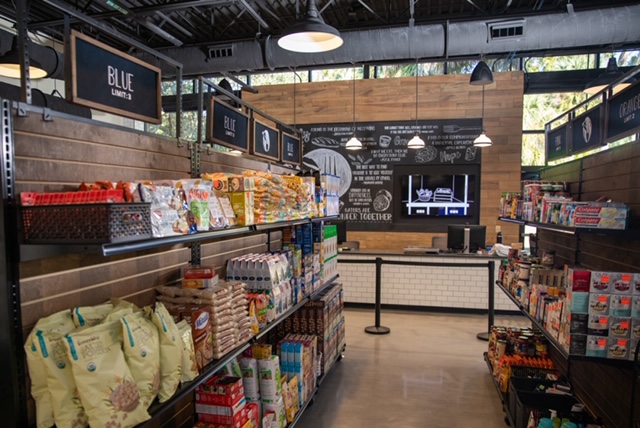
(481, 75)
(310, 34)
(482, 140)
(354, 143)
(416, 142)
(611, 73)
(10, 64)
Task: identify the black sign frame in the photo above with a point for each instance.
(631, 118)
(596, 114)
(219, 108)
(290, 138)
(550, 135)
(72, 81)
(274, 141)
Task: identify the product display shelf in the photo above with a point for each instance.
(537, 323)
(503, 399)
(189, 387)
(303, 408)
(292, 310)
(627, 233)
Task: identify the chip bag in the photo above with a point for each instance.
(88, 316)
(107, 389)
(170, 352)
(189, 364)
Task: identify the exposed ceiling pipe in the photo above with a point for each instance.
(542, 33)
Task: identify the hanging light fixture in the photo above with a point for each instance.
(354, 143)
(611, 73)
(10, 64)
(481, 75)
(416, 142)
(482, 140)
(311, 34)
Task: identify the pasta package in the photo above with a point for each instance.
(141, 348)
(170, 352)
(88, 316)
(106, 386)
(67, 408)
(189, 365)
(60, 323)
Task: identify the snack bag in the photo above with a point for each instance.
(67, 408)
(170, 352)
(107, 389)
(60, 323)
(189, 366)
(120, 309)
(198, 194)
(88, 316)
(142, 353)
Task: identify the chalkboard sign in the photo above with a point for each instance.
(227, 126)
(291, 152)
(586, 131)
(266, 141)
(557, 146)
(623, 116)
(106, 79)
(368, 195)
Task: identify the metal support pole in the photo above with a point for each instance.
(378, 329)
(23, 42)
(485, 334)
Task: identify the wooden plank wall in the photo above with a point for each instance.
(605, 387)
(57, 156)
(440, 97)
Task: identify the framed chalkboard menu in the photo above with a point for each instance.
(266, 141)
(227, 126)
(291, 150)
(388, 185)
(106, 79)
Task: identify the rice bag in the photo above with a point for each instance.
(170, 352)
(61, 323)
(141, 348)
(88, 316)
(106, 386)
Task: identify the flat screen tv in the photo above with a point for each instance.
(431, 196)
(456, 238)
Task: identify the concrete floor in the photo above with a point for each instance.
(427, 373)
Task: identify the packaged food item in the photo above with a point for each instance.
(141, 348)
(170, 352)
(88, 316)
(165, 215)
(67, 408)
(120, 308)
(59, 323)
(217, 218)
(227, 209)
(270, 381)
(202, 336)
(277, 407)
(198, 193)
(189, 364)
(107, 389)
(249, 368)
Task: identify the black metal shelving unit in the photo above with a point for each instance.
(628, 233)
(503, 399)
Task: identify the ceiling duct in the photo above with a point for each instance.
(506, 29)
(50, 59)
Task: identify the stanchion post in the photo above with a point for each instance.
(485, 334)
(378, 329)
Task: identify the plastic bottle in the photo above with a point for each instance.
(555, 419)
(498, 235)
(568, 424)
(545, 423)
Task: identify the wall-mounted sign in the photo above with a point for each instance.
(557, 145)
(266, 141)
(623, 117)
(587, 131)
(291, 150)
(389, 184)
(227, 126)
(106, 79)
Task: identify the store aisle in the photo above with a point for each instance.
(428, 373)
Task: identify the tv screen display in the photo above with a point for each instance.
(438, 195)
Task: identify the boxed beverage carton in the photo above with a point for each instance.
(598, 325)
(596, 346)
(618, 349)
(578, 279)
(622, 283)
(620, 305)
(578, 301)
(578, 344)
(601, 282)
(218, 414)
(220, 391)
(578, 323)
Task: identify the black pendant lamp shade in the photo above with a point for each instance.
(10, 64)
(481, 75)
(611, 73)
(310, 34)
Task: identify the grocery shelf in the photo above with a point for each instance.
(278, 225)
(628, 233)
(338, 358)
(327, 283)
(503, 399)
(304, 406)
(187, 388)
(328, 218)
(537, 323)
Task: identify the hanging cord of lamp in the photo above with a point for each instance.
(481, 76)
(482, 140)
(416, 142)
(354, 143)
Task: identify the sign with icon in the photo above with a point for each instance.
(587, 131)
(265, 141)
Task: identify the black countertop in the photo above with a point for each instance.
(383, 252)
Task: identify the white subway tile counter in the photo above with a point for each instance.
(456, 287)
